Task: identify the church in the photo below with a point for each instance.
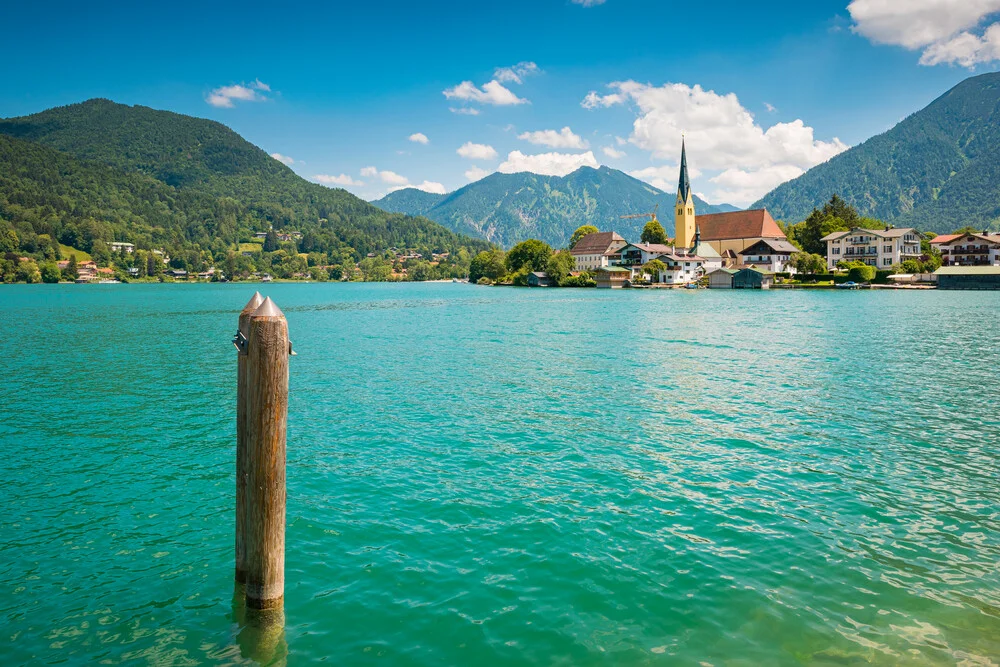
(726, 233)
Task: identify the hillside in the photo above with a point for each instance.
(937, 170)
(108, 171)
(508, 208)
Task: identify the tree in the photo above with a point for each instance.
(421, 271)
(488, 264)
(654, 268)
(653, 232)
(8, 241)
(861, 274)
(910, 266)
(531, 254)
(807, 262)
(580, 232)
(559, 266)
(50, 273)
(271, 241)
(27, 272)
(100, 253)
(71, 272)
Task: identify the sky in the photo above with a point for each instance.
(375, 96)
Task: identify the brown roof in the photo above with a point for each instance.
(777, 245)
(738, 225)
(948, 238)
(596, 243)
(944, 238)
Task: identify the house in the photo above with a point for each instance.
(540, 279)
(721, 278)
(880, 248)
(118, 246)
(612, 277)
(771, 254)
(968, 249)
(634, 255)
(751, 278)
(596, 250)
(968, 277)
(730, 258)
(178, 274)
(712, 259)
(86, 271)
(738, 230)
(133, 271)
(681, 268)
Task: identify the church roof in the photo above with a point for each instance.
(683, 182)
(756, 223)
(707, 251)
(596, 243)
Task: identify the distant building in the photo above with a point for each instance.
(968, 277)
(968, 249)
(681, 268)
(712, 259)
(634, 255)
(750, 278)
(540, 279)
(596, 250)
(612, 277)
(721, 278)
(771, 254)
(178, 274)
(880, 248)
(118, 246)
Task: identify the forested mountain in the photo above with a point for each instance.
(937, 170)
(101, 171)
(508, 208)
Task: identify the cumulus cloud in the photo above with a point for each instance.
(547, 164)
(426, 186)
(224, 96)
(594, 101)
(343, 180)
(284, 159)
(517, 73)
(941, 28)
(613, 152)
(494, 93)
(420, 138)
(735, 185)
(474, 173)
(721, 134)
(390, 177)
(473, 151)
(465, 111)
(563, 138)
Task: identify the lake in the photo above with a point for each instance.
(500, 476)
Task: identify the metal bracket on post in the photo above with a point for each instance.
(291, 352)
(240, 342)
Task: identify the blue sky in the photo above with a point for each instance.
(762, 90)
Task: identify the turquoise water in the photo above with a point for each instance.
(485, 476)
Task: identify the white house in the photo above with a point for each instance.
(681, 268)
(118, 246)
(771, 254)
(968, 249)
(880, 248)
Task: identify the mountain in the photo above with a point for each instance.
(937, 170)
(508, 208)
(105, 171)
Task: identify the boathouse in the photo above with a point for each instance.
(539, 279)
(751, 278)
(721, 278)
(612, 277)
(968, 277)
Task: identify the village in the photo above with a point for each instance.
(748, 250)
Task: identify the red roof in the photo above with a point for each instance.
(757, 223)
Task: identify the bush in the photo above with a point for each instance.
(484, 281)
(861, 274)
(582, 280)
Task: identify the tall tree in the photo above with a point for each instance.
(653, 232)
(531, 254)
(580, 232)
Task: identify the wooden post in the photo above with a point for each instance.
(243, 333)
(267, 417)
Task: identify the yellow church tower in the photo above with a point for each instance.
(684, 212)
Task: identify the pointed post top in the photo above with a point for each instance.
(683, 183)
(268, 308)
(253, 304)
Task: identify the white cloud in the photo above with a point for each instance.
(493, 93)
(613, 152)
(564, 138)
(588, 3)
(663, 177)
(721, 135)
(736, 185)
(426, 186)
(465, 111)
(223, 96)
(420, 138)
(593, 100)
(390, 177)
(474, 173)
(517, 73)
(548, 164)
(770, 107)
(284, 159)
(343, 180)
(473, 151)
(939, 27)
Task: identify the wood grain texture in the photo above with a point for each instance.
(267, 420)
(241, 439)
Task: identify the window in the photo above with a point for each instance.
(887, 248)
(690, 211)
(836, 251)
(887, 261)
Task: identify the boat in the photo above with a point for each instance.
(850, 284)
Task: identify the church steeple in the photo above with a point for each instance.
(683, 183)
(684, 225)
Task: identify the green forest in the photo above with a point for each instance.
(89, 174)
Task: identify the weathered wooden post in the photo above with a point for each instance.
(267, 416)
(242, 334)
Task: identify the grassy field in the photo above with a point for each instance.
(251, 247)
(66, 251)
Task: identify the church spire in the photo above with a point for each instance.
(683, 183)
